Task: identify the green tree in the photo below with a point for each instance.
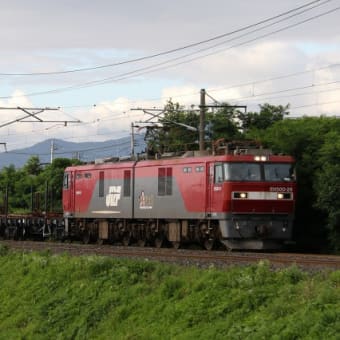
(306, 139)
(252, 122)
(223, 124)
(32, 166)
(27, 186)
(51, 179)
(174, 136)
(8, 177)
(327, 185)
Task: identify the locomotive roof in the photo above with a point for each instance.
(184, 161)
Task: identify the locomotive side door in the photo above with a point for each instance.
(68, 192)
(215, 189)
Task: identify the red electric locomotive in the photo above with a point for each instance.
(244, 199)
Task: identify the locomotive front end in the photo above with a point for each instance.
(260, 194)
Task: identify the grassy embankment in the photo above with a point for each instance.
(61, 297)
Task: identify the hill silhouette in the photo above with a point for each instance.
(85, 151)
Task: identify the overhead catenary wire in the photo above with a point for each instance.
(163, 65)
(286, 90)
(177, 49)
(110, 117)
(280, 77)
(315, 104)
(221, 88)
(123, 115)
(287, 96)
(107, 118)
(267, 93)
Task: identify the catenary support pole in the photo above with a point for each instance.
(202, 121)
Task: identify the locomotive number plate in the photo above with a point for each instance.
(281, 189)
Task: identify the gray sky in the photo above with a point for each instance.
(56, 36)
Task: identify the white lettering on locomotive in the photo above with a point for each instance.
(281, 189)
(113, 196)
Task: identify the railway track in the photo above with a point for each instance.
(182, 256)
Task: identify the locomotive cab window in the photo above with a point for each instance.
(242, 171)
(274, 172)
(218, 173)
(66, 181)
(271, 172)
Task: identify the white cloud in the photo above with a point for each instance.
(16, 99)
(50, 37)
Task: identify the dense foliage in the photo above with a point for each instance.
(315, 143)
(62, 297)
(34, 187)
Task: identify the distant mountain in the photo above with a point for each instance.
(87, 151)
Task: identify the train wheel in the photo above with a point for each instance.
(141, 243)
(159, 241)
(176, 244)
(209, 244)
(86, 237)
(6, 233)
(126, 240)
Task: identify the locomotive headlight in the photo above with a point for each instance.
(240, 195)
(284, 196)
(260, 158)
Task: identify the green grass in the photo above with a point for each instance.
(43, 296)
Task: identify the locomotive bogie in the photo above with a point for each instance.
(156, 232)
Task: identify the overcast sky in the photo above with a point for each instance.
(102, 58)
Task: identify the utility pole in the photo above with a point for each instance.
(53, 148)
(202, 122)
(132, 142)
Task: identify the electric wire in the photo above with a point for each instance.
(153, 68)
(175, 49)
(287, 90)
(221, 88)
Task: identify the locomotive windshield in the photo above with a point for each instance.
(278, 172)
(271, 172)
(242, 171)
